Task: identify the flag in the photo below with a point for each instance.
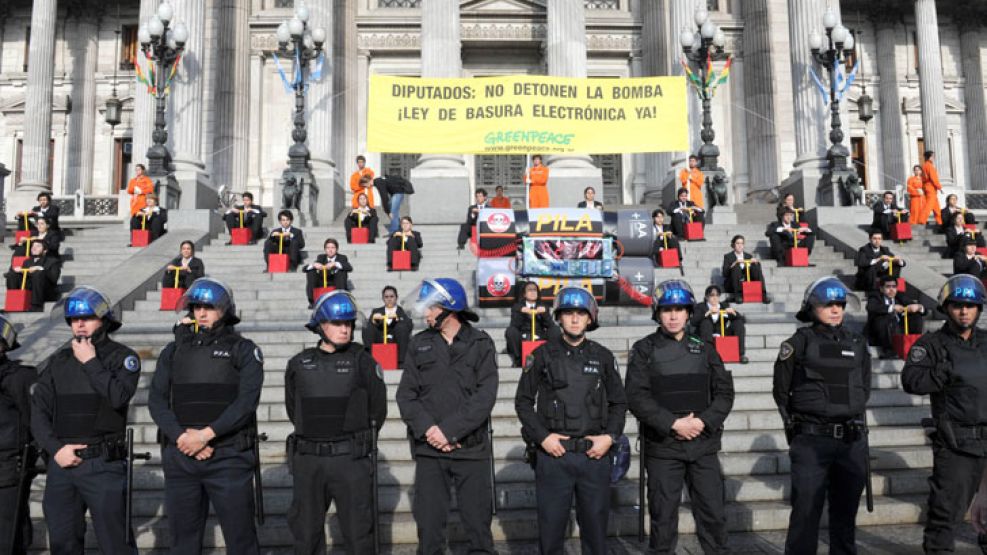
(288, 88)
(846, 82)
(710, 74)
(820, 86)
(317, 72)
(154, 77)
(725, 73)
(693, 80)
(141, 77)
(172, 72)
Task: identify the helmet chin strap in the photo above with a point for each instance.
(437, 325)
(336, 346)
(574, 337)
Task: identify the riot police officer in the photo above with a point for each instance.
(204, 399)
(821, 386)
(447, 392)
(16, 464)
(579, 417)
(333, 393)
(79, 419)
(950, 365)
(680, 392)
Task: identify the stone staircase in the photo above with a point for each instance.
(927, 248)
(274, 311)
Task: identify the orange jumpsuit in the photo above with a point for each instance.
(916, 199)
(357, 189)
(692, 180)
(538, 191)
(500, 202)
(139, 187)
(930, 185)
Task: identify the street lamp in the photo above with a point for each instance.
(114, 107)
(297, 41)
(702, 43)
(838, 47)
(164, 43)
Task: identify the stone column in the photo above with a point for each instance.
(761, 136)
(319, 111)
(441, 180)
(35, 175)
(143, 116)
(565, 54)
(654, 62)
(892, 150)
(976, 118)
(233, 110)
(345, 77)
(82, 125)
(931, 88)
(811, 116)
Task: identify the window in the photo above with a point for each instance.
(508, 171)
(398, 164)
(920, 142)
(612, 167)
(602, 4)
(284, 3)
(398, 3)
(122, 155)
(128, 47)
(20, 161)
(858, 157)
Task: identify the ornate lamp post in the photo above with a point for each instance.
(297, 41)
(839, 46)
(702, 44)
(114, 107)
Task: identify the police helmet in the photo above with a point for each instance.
(577, 298)
(334, 306)
(669, 293)
(825, 290)
(962, 288)
(446, 293)
(8, 334)
(213, 293)
(86, 302)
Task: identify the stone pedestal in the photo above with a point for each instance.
(332, 197)
(196, 190)
(306, 214)
(200, 219)
(441, 194)
(822, 196)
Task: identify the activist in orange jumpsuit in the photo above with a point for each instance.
(538, 183)
(930, 185)
(362, 170)
(916, 197)
(139, 186)
(499, 200)
(692, 181)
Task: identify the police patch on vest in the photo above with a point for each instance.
(258, 356)
(529, 362)
(343, 366)
(591, 369)
(917, 354)
(785, 351)
(424, 348)
(132, 363)
(221, 354)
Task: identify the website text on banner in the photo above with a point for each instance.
(527, 113)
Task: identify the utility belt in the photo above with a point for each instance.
(111, 448)
(474, 439)
(242, 440)
(953, 434)
(850, 430)
(358, 445)
(576, 444)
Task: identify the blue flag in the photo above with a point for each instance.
(284, 79)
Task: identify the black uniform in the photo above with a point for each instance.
(253, 218)
(15, 433)
(75, 403)
(399, 328)
(334, 277)
(870, 267)
(821, 386)
(452, 386)
(578, 394)
(953, 372)
(666, 380)
(331, 399)
(520, 329)
(196, 269)
(209, 379)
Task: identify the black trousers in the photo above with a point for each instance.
(825, 469)
(249, 221)
(313, 279)
(38, 283)
(23, 530)
(371, 223)
(954, 481)
(659, 245)
(226, 480)
(290, 248)
(430, 507)
(734, 326)
(465, 232)
(514, 337)
(886, 325)
(779, 244)
(318, 481)
(866, 278)
(556, 481)
(679, 221)
(96, 485)
(154, 225)
(399, 333)
(184, 279)
(737, 275)
(705, 480)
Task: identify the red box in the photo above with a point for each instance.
(473, 236)
(16, 261)
(752, 291)
(140, 237)
(694, 231)
(797, 257)
(319, 291)
(241, 236)
(970, 227)
(386, 355)
(728, 347)
(901, 232)
(803, 224)
(18, 300)
(22, 233)
(401, 260)
(528, 347)
(668, 258)
(277, 263)
(170, 297)
(903, 343)
(982, 251)
(360, 235)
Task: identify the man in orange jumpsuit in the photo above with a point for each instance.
(537, 180)
(692, 181)
(930, 185)
(140, 186)
(500, 200)
(356, 187)
(916, 196)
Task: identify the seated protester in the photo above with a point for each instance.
(734, 271)
(44, 209)
(886, 214)
(361, 216)
(499, 200)
(188, 266)
(956, 234)
(589, 199)
(682, 210)
(664, 236)
(520, 327)
(253, 217)
(407, 239)
(788, 201)
(705, 319)
(42, 232)
(466, 229)
(781, 235)
(874, 261)
(330, 269)
(152, 218)
(42, 278)
(885, 315)
(951, 209)
(969, 262)
(286, 237)
(399, 324)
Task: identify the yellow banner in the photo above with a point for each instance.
(527, 114)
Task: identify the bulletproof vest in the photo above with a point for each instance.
(10, 419)
(81, 412)
(833, 386)
(576, 400)
(680, 376)
(204, 378)
(327, 402)
(966, 394)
